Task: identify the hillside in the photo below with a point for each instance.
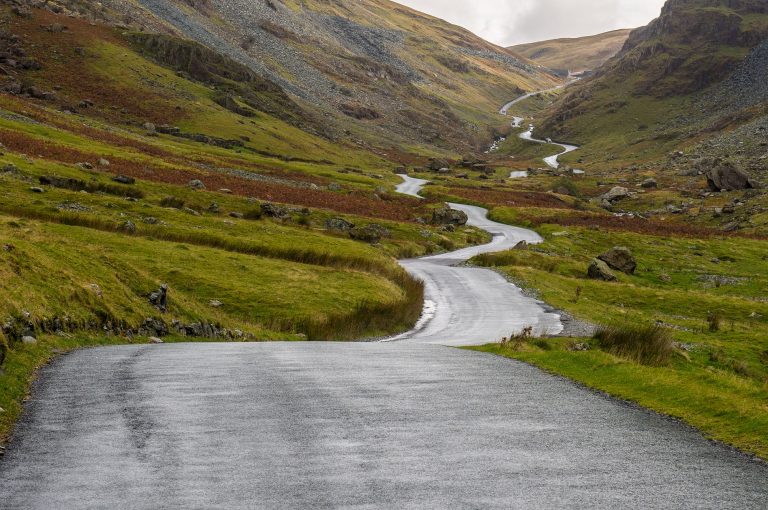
(576, 54)
(376, 73)
(676, 82)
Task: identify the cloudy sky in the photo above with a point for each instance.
(509, 22)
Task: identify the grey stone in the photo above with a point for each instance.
(28, 340)
(338, 224)
(128, 227)
(447, 216)
(599, 270)
(620, 258)
(196, 184)
(725, 175)
(616, 194)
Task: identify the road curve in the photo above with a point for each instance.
(551, 161)
(301, 425)
(473, 306)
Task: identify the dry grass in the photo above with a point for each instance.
(648, 345)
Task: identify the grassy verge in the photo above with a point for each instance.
(707, 293)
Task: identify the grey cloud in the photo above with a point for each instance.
(516, 21)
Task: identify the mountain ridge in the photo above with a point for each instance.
(575, 54)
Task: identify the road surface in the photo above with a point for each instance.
(470, 305)
(300, 425)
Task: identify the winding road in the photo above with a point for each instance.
(398, 424)
(473, 306)
(517, 122)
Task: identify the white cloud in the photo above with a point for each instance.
(516, 21)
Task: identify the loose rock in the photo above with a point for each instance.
(599, 270)
(620, 259)
(447, 216)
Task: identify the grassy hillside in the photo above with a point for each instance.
(576, 54)
(374, 71)
(654, 93)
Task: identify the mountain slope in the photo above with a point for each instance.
(661, 90)
(575, 54)
(372, 70)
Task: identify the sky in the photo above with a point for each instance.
(508, 22)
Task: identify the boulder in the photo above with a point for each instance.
(599, 270)
(155, 340)
(28, 340)
(370, 233)
(159, 298)
(447, 216)
(338, 224)
(649, 184)
(724, 175)
(215, 303)
(103, 162)
(196, 184)
(620, 259)
(275, 211)
(128, 227)
(616, 194)
(401, 170)
(437, 164)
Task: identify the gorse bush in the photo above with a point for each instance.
(649, 345)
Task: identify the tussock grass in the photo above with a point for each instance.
(648, 345)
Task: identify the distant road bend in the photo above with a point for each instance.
(517, 122)
(402, 424)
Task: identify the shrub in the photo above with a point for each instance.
(172, 202)
(253, 214)
(649, 345)
(518, 340)
(714, 321)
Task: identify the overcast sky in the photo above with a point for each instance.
(508, 22)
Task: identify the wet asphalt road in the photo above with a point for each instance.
(472, 305)
(305, 425)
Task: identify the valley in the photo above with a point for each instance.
(293, 252)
